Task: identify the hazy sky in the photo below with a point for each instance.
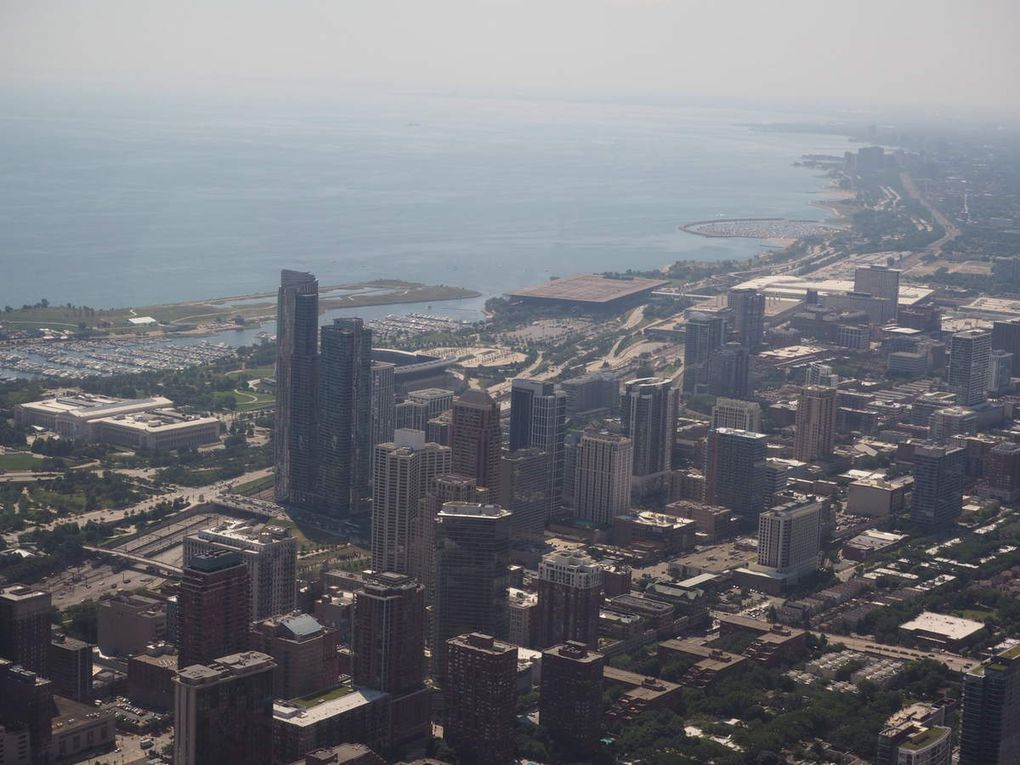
(944, 55)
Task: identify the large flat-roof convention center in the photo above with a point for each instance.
(589, 291)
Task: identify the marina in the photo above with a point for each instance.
(76, 359)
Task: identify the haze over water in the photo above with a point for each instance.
(113, 204)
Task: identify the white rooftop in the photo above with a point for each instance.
(951, 627)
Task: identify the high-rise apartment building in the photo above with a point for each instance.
(820, 374)
(735, 468)
(481, 699)
(1000, 371)
(591, 393)
(270, 554)
(304, 650)
(968, 365)
(1006, 337)
(297, 384)
(423, 405)
(26, 711)
(223, 711)
(748, 308)
(1003, 471)
(25, 627)
(570, 701)
(472, 558)
(444, 488)
(70, 667)
(602, 477)
(789, 538)
(404, 469)
(524, 488)
(214, 607)
(737, 414)
(729, 371)
(703, 334)
(476, 438)
(384, 402)
(388, 635)
(880, 282)
(816, 423)
(648, 408)
(951, 421)
(345, 426)
(569, 598)
(538, 420)
(937, 499)
(989, 733)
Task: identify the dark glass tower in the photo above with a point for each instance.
(748, 306)
(705, 333)
(472, 558)
(538, 420)
(648, 408)
(297, 379)
(345, 427)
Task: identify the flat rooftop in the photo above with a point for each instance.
(588, 288)
(950, 627)
(790, 286)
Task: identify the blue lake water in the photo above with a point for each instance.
(111, 204)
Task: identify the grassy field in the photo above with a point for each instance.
(18, 461)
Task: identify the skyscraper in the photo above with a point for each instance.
(388, 646)
(989, 734)
(789, 538)
(476, 439)
(223, 711)
(569, 598)
(968, 365)
(384, 402)
(345, 391)
(880, 282)
(729, 371)
(816, 423)
(305, 653)
(538, 420)
(404, 469)
(704, 333)
(270, 554)
(297, 382)
(472, 557)
(388, 635)
(423, 405)
(481, 699)
(25, 626)
(524, 487)
(1003, 471)
(570, 701)
(735, 473)
(648, 408)
(444, 488)
(70, 667)
(27, 711)
(748, 308)
(1006, 337)
(734, 413)
(214, 607)
(937, 499)
(602, 477)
